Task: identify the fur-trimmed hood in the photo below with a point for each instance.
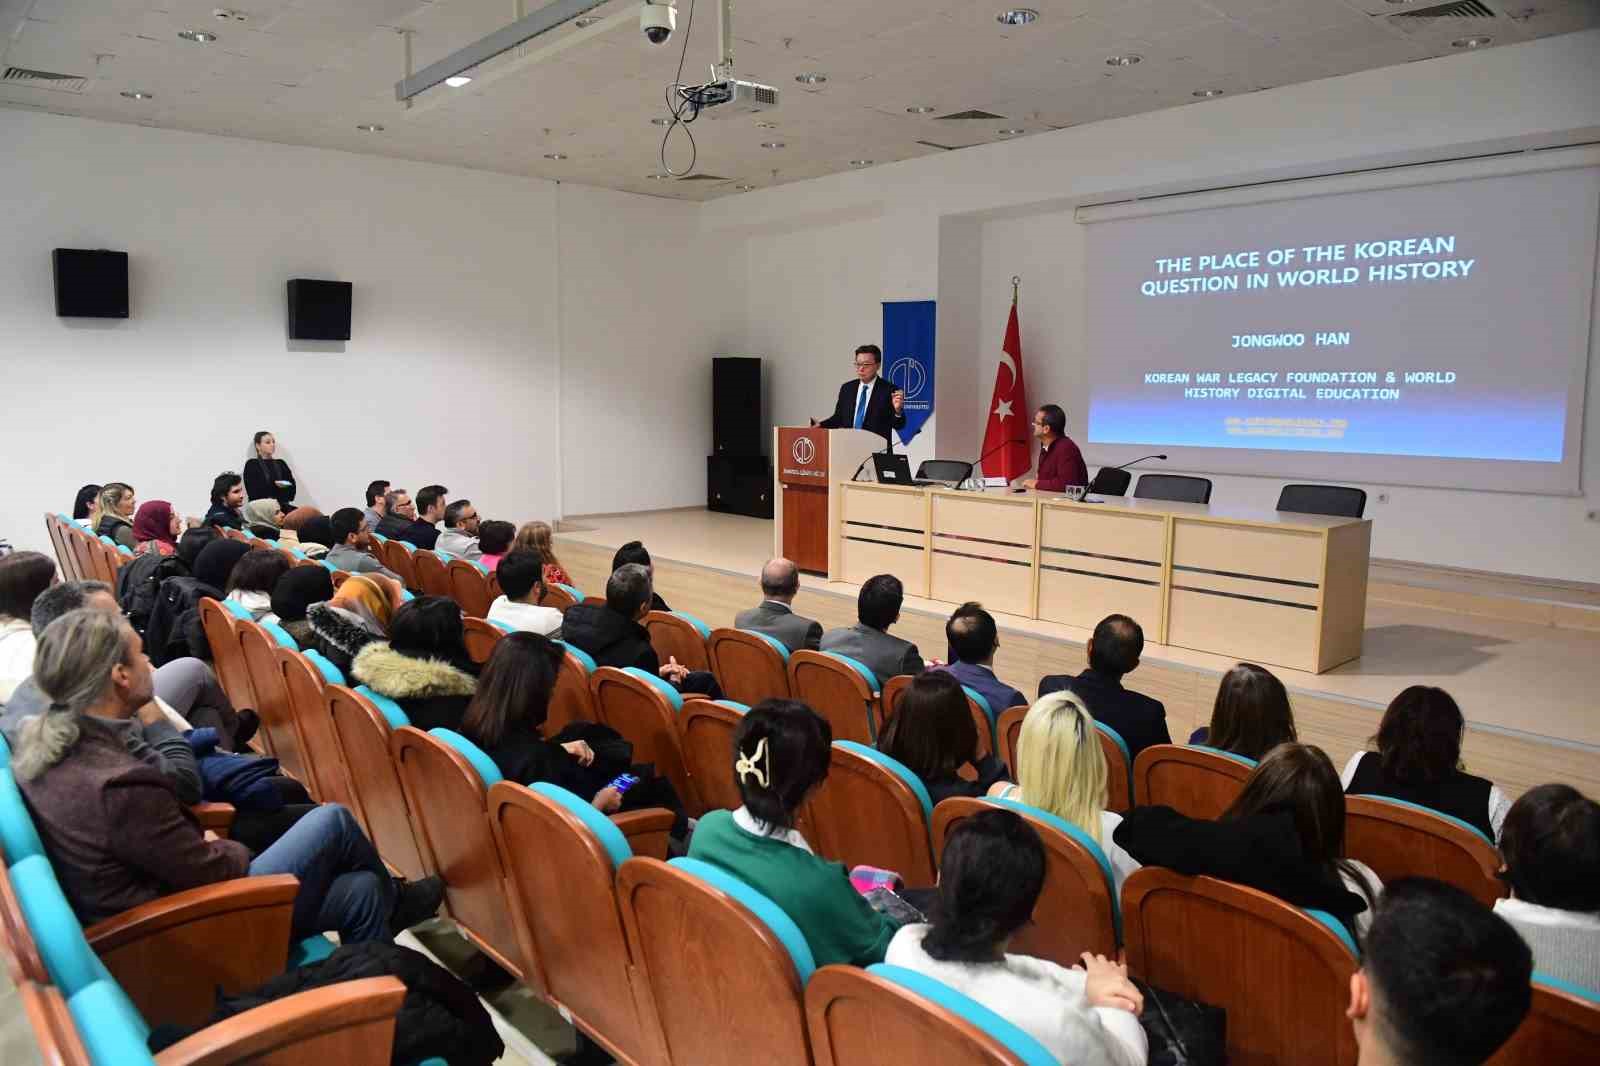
(339, 627)
(400, 677)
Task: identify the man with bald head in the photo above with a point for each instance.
(780, 581)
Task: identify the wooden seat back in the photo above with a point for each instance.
(1198, 782)
(1008, 728)
(834, 690)
(866, 813)
(571, 700)
(272, 699)
(480, 637)
(380, 798)
(747, 667)
(432, 577)
(896, 687)
(1562, 1025)
(328, 780)
(469, 587)
(557, 597)
(705, 730)
(639, 710)
(396, 555)
(226, 654)
(1403, 840)
(674, 637)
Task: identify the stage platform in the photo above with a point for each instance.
(1522, 659)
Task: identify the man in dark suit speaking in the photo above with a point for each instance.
(869, 402)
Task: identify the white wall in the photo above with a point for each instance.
(956, 227)
(456, 373)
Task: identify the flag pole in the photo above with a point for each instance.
(1016, 283)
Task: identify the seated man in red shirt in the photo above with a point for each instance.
(1060, 461)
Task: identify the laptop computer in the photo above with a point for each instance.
(895, 469)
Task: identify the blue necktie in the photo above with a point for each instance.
(861, 405)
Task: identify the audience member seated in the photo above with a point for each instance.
(254, 577)
(933, 733)
(521, 587)
(460, 536)
(293, 522)
(83, 503)
(403, 523)
(613, 634)
(398, 514)
(424, 666)
(774, 615)
(117, 833)
(376, 505)
(494, 541)
(538, 535)
(633, 552)
(990, 877)
(227, 502)
(868, 641)
(1443, 981)
(358, 614)
(506, 719)
(293, 595)
(1061, 769)
(1551, 844)
(316, 534)
(1419, 760)
(1113, 653)
(156, 527)
(187, 690)
(351, 539)
(263, 518)
(113, 514)
(1251, 715)
(1283, 835)
(780, 754)
(973, 639)
(23, 576)
(265, 475)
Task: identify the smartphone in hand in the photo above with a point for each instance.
(623, 782)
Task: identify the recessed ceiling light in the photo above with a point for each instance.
(772, 144)
(919, 110)
(135, 94)
(811, 78)
(587, 21)
(661, 122)
(658, 177)
(558, 156)
(458, 81)
(1017, 16)
(861, 162)
(197, 36)
(1470, 42)
(744, 188)
(1206, 94)
(370, 127)
(1127, 60)
(1009, 132)
(766, 125)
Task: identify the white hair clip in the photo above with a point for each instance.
(747, 764)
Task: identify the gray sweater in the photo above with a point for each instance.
(158, 744)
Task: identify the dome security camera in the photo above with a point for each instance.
(657, 19)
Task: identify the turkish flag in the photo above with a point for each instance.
(1005, 441)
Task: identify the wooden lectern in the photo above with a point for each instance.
(809, 464)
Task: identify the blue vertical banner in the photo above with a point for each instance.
(908, 358)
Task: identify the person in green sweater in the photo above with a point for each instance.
(781, 752)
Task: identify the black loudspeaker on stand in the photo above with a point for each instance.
(738, 474)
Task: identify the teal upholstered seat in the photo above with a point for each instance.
(18, 839)
(1242, 760)
(768, 912)
(1452, 819)
(488, 772)
(703, 629)
(391, 711)
(669, 693)
(1019, 1043)
(777, 645)
(238, 610)
(281, 635)
(1084, 840)
(584, 658)
(898, 769)
(575, 593)
(859, 667)
(330, 673)
(502, 626)
(603, 828)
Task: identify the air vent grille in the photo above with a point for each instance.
(44, 79)
(1457, 9)
(964, 115)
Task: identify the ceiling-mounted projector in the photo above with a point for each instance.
(735, 96)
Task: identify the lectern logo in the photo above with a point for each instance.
(803, 451)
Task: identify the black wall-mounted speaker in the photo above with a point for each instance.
(736, 406)
(90, 284)
(319, 310)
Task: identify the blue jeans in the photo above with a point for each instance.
(344, 886)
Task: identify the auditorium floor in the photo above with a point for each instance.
(1525, 688)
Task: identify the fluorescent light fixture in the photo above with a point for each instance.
(516, 35)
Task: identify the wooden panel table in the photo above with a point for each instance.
(1279, 588)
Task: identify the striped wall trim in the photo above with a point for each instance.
(1246, 577)
(1109, 558)
(1104, 577)
(886, 543)
(879, 525)
(982, 540)
(1240, 596)
(983, 558)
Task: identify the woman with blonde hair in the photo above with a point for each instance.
(536, 535)
(112, 514)
(1061, 770)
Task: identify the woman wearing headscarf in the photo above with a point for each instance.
(215, 563)
(262, 517)
(294, 593)
(265, 475)
(292, 522)
(316, 536)
(156, 527)
(359, 613)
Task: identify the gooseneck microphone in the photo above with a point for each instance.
(1094, 482)
(977, 467)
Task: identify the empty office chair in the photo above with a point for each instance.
(644, 709)
(432, 577)
(561, 858)
(705, 729)
(1110, 481)
(480, 637)
(886, 1015)
(469, 587)
(676, 635)
(446, 779)
(364, 720)
(1174, 487)
(750, 666)
(1399, 839)
(571, 700)
(708, 946)
(1078, 908)
(872, 810)
(1007, 729)
(226, 654)
(1338, 500)
(1119, 769)
(1197, 781)
(559, 596)
(1206, 939)
(306, 677)
(955, 471)
(1563, 1025)
(839, 688)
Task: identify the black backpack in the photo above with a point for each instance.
(139, 583)
(173, 631)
